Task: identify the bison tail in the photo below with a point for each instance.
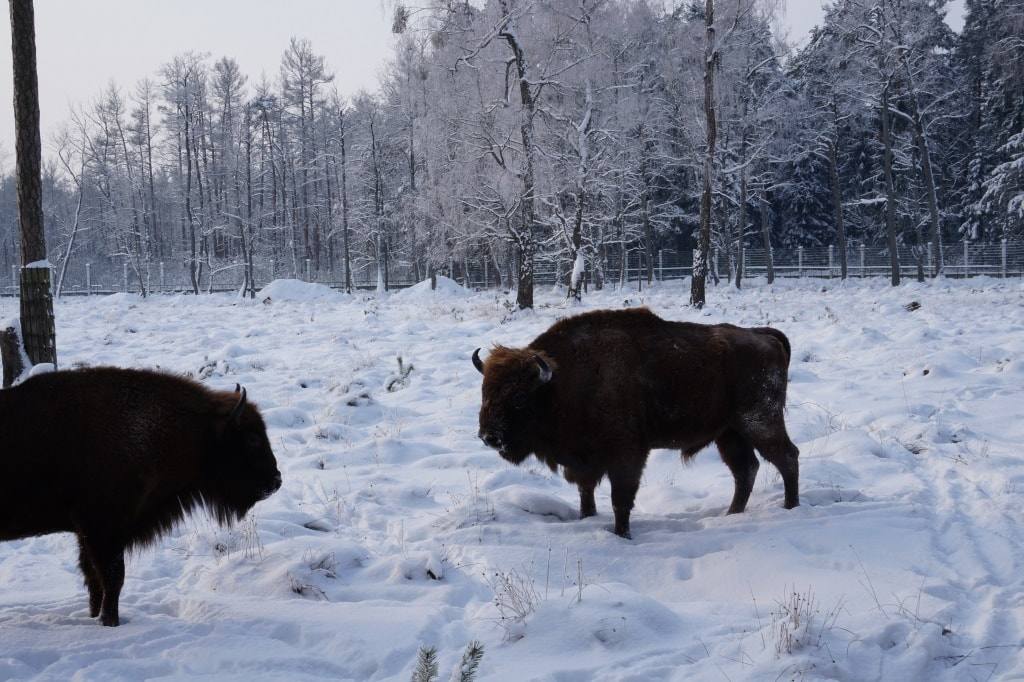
(770, 331)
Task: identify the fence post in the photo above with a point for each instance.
(1002, 257)
(929, 256)
(661, 265)
(862, 260)
(163, 277)
(715, 264)
(967, 257)
(124, 278)
(307, 271)
(800, 261)
(831, 259)
(14, 277)
(88, 279)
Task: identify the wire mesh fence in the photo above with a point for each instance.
(963, 259)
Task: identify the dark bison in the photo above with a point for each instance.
(596, 392)
(118, 456)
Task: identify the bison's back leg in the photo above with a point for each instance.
(625, 480)
(92, 579)
(738, 455)
(772, 441)
(108, 557)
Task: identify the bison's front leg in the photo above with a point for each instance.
(91, 576)
(586, 483)
(108, 557)
(625, 482)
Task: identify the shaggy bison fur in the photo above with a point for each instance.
(118, 456)
(596, 392)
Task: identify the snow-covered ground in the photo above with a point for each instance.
(396, 528)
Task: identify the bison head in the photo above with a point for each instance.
(245, 470)
(513, 399)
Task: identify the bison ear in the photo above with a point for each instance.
(238, 388)
(477, 362)
(236, 413)
(544, 369)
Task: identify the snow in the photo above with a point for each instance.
(396, 528)
(297, 291)
(446, 288)
(41, 264)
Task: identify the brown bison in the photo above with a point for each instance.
(118, 456)
(596, 392)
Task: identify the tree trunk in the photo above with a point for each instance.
(837, 206)
(700, 263)
(37, 324)
(526, 237)
(344, 203)
(890, 192)
(742, 227)
(766, 236)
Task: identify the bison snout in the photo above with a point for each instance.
(490, 439)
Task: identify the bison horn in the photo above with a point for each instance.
(477, 362)
(545, 369)
(238, 388)
(236, 413)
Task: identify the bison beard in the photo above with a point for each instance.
(596, 392)
(118, 457)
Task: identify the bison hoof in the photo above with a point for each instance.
(791, 503)
(624, 534)
(110, 621)
(93, 612)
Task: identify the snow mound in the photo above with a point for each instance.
(446, 288)
(297, 291)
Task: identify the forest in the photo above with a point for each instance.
(561, 136)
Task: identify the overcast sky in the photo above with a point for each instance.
(82, 46)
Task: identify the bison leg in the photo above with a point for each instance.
(92, 580)
(588, 507)
(108, 557)
(780, 451)
(738, 455)
(624, 487)
(586, 484)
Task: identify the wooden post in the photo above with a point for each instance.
(88, 279)
(1002, 257)
(163, 277)
(967, 257)
(124, 278)
(831, 259)
(862, 273)
(661, 265)
(10, 355)
(800, 261)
